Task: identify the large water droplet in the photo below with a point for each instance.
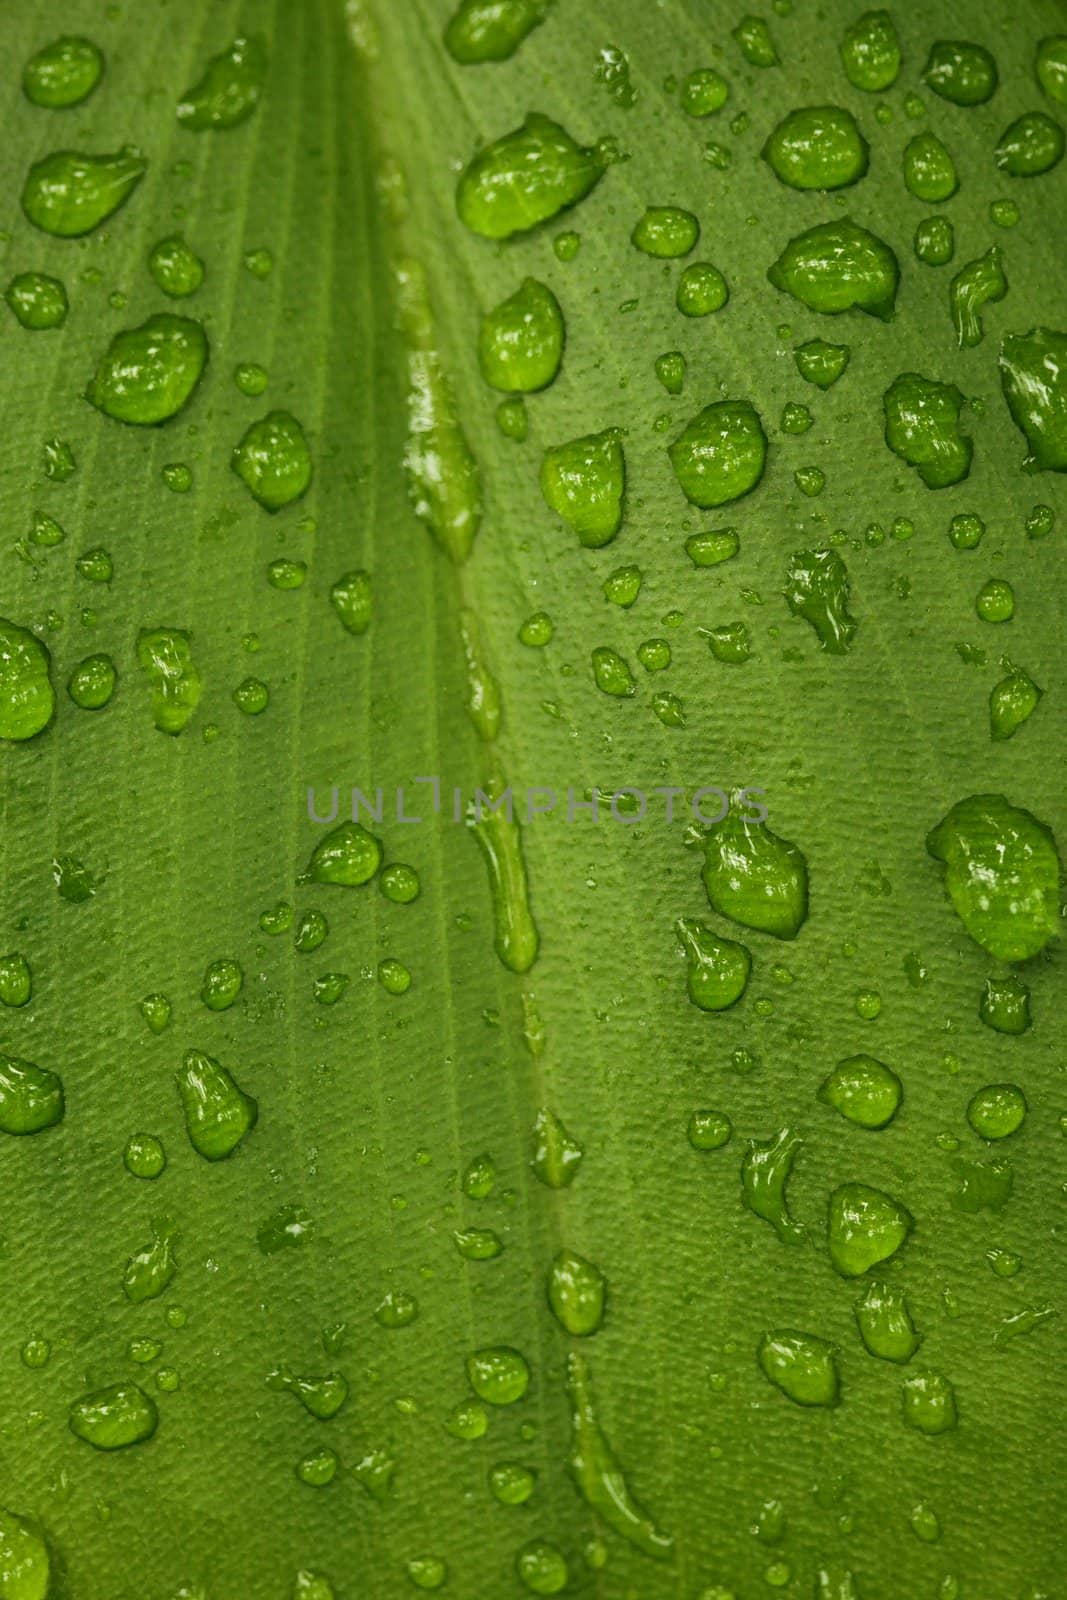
(24, 1563)
(1002, 874)
(718, 969)
(866, 1226)
(801, 1365)
(721, 454)
(576, 1292)
(31, 1097)
(27, 698)
(520, 343)
(754, 877)
(148, 374)
(68, 194)
(583, 482)
(817, 147)
(114, 1417)
(922, 427)
(839, 266)
(272, 460)
(491, 30)
(864, 1090)
(525, 178)
(218, 1113)
(166, 659)
(229, 90)
(1033, 376)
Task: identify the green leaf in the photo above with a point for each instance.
(347, 1057)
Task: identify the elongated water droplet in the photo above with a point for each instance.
(583, 482)
(922, 427)
(321, 1397)
(817, 589)
(27, 698)
(229, 90)
(1051, 67)
(499, 835)
(31, 1097)
(802, 1366)
(483, 692)
(556, 1157)
(525, 178)
(68, 194)
(765, 1172)
(478, 1244)
(753, 39)
(1012, 702)
(520, 343)
(864, 1090)
(718, 969)
(272, 460)
(491, 30)
(166, 659)
(817, 147)
(1002, 874)
(975, 285)
(866, 1226)
(1033, 376)
(114, 1417)
(598, 1475)
(16, 982)
(885, 1324)
(576, 1292)
(839, 266)
(444, 480)
(218, 1113)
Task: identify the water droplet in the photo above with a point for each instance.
(149, 373)
(865, 1091)
(935, 241)
(583, 482)
(96, 566)
(720, 455)
(885, 1324)
(498, 1375)
(221, 985)
(321, 1397)
(666, 231)
(156, 1010)
(25, 1569)
(922, 418)
(252, 697)
(765, 1171)
(1002, 874)
(285, 574)
(175, 269)
(754, 877)
(611, 673)
(929, 171)
(114, 1417)
(703, 92)
(63, 73)
(961, 72)
(718, 969)
(312, 1586)
(27, 698)
(229, 90)
(16, 983)
(597, 1474)
(709, 1130)
(347, 856)
(491, 30)
(483, 692)
(866, 1226)
(924, 1523)
(817, 147)
(839, 266)
(542, 1569)
(218, 1113)
(166, 660)
(477, 1244)
(817, 589)
(576, 1292)
(144, 1156)
(556, 1156)
(870, 52)
(1033, 376)
(622, 587)
(318, 1467)
(1029, 146)
(821, 363)
(1050, 64)
(670, 370)
(520, 344)
(997, 1111)
(37, 300)
(753, 39)
(31, 1097)
(67, 194)
(396, 1309)
(929, 1403)
(151, 1270)
(511, 1483)
(468, 1420)
(802, 1366)
(273, 461)
(1005, 1005)
(525, 178)
(400, 883)
(702, 290)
